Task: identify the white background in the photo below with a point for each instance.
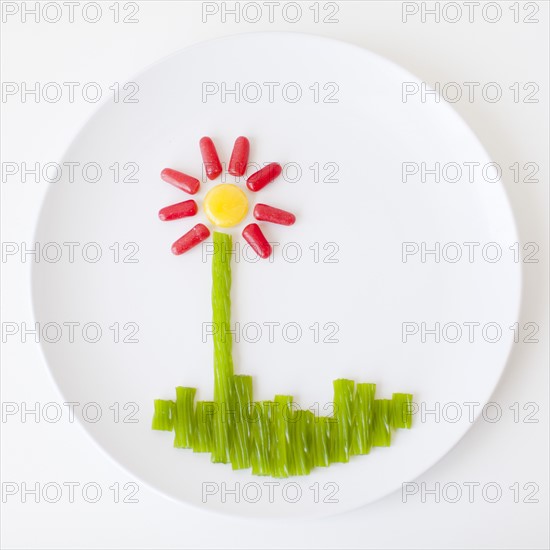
(504, 452)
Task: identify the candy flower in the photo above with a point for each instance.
(274, 437)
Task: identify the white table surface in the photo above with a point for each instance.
(504, 452)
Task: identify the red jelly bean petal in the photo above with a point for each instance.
(264, 176)
(180, 180)
(256, 239)
(210, 158)
(239, 157)
(192, 238)
(266, 213)
(180, 210)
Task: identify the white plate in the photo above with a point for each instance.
(369, 292)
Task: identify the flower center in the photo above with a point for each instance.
(225, 205)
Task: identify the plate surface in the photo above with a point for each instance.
(331, 304)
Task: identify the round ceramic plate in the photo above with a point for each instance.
(351, 291)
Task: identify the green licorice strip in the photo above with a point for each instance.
(361, 430)
(381, 436)
(223, 362)
(340, 434)
(203, 441)
(163, 418)
(292, 449)
(301, 435)
(184, 421)
(306, 432)
(280, 441)
(221, 432)
(261, 423)
(240, 451)
(401, 410)
(321, 440)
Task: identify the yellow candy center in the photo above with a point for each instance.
(225, 205)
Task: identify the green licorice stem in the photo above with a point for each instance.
(340, 435)
(223, 362)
